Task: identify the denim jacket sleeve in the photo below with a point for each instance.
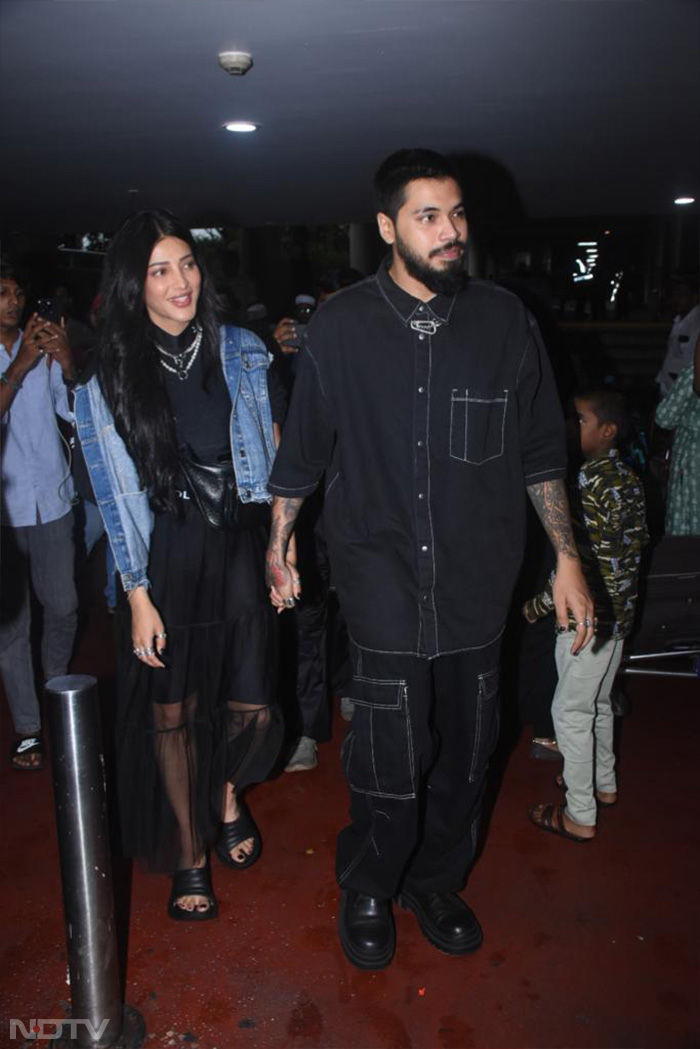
(245, 361)
(122, 501)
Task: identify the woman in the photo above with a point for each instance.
(175, 421)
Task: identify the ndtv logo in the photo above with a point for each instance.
(37, 1030)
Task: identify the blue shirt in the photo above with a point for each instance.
(37, 486)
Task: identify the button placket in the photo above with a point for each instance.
(423, 538)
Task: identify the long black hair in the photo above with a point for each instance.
(128, 369)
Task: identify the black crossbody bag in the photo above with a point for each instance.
(212, 488)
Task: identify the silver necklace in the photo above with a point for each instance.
(183, 360)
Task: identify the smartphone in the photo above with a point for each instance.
(49, 309)
(299, 337)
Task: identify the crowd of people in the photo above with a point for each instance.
(363, 468)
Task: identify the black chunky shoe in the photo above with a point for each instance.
(366, 928)
(445, 920)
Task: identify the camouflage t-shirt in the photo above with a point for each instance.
(609, 519)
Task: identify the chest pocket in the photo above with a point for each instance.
(477, 425)
(254, 367)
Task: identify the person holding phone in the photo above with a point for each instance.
(178, 426)
(36, 369)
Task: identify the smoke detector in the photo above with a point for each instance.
(235, 63)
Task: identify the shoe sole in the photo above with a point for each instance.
(298, 767)
(407, 903)
(357, 958)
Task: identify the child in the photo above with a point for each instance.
(608, 513)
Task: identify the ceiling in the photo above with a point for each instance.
(557, 108)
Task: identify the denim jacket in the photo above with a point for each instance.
(122, 500)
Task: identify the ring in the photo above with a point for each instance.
(162, 635)
(290, 602)
(588, 622)
(139, 652)
(149, 651)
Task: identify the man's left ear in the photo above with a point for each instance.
(386, 228)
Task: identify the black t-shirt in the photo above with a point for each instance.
(201, 403)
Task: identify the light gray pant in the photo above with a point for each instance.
(584, 722)
(46, 553)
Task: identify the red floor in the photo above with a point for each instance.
(592, 946)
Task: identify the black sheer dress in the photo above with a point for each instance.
(211, 716)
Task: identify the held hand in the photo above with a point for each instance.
(285, 335)
(571, 593)
(283, 580)
(147, 630)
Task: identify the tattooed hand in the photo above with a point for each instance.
(570, 590)
(280, 569)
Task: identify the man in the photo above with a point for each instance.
(428, 401)
(684, 333)
(37, 518)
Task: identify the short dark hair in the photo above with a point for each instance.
(609, 405)
(402, 167)
(9, 270)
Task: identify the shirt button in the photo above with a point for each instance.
(425, 598)
(421, 495)
(421, 337)
(424, 549)
(421, 389)
(420, 444)
(421, 309)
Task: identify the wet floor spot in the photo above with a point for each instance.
(305, 1022)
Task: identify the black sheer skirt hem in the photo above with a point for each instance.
(210, 717)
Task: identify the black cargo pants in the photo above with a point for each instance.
(415, 758)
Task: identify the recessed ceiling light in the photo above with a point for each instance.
(241, 126)
(684, 200)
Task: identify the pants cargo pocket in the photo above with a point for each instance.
(378, 752)
(487, 720)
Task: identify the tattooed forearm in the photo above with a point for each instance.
(552, 506)
(284, 515)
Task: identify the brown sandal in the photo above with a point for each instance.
(551, 819)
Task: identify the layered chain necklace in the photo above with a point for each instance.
(180, 363)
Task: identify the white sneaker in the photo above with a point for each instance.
(347, 708)
(303, 757)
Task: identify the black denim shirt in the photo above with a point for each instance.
(428, 420)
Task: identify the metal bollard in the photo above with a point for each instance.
(83, 837)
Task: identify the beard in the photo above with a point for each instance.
(445, 281)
